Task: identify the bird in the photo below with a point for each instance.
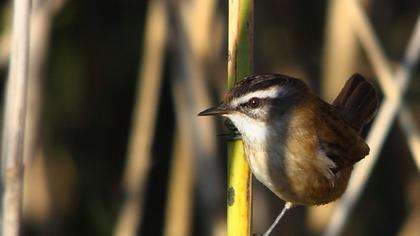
(300, 147)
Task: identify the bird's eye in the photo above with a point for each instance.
(254, 102)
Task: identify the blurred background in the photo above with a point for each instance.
(113, 143)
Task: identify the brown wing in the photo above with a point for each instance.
(338, 140)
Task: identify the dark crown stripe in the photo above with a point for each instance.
(260, 82)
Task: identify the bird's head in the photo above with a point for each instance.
(258, 102)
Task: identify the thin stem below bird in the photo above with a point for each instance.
(286, 207)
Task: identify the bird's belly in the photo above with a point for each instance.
(293, 183)
(261, 168)
(270, 172)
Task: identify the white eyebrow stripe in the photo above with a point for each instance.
(271, 92)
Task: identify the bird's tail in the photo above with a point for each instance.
(357, 101)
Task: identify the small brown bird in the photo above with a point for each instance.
(300, 147)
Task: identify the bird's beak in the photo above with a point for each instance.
(220, 109)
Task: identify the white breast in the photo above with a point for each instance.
(252, 130)
(255, 135)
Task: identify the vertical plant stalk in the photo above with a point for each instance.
(14, 120)
(340, 50)
(39, 41)
(36, 202)
(143, 122)
(196, 163)
(240, 61)
(180, 197)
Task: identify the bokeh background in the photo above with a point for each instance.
(115, 147)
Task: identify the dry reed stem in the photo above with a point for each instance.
(39, 41)
(180, 195)
(341, 49)
(143, 121)
(387, 112)
(14, 120)
(201, 36)
(190, 96)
